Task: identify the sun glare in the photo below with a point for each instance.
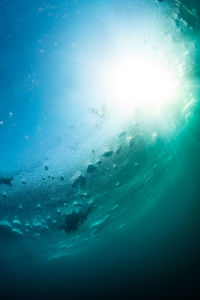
(139, 82)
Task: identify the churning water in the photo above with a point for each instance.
(99, 152)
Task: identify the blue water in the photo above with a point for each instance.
(104, 202)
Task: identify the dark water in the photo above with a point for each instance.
(104, 202)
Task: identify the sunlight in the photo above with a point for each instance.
(139, 82)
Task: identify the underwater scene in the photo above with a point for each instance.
(100, 149)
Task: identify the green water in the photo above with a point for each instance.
(139, 236)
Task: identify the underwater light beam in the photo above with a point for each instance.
(139, 82)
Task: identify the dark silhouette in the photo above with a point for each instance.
(76, 218)
(5, 180)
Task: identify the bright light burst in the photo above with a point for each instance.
(139, 82)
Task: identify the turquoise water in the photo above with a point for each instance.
(99, 153)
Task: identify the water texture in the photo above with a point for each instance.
(99, 152)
